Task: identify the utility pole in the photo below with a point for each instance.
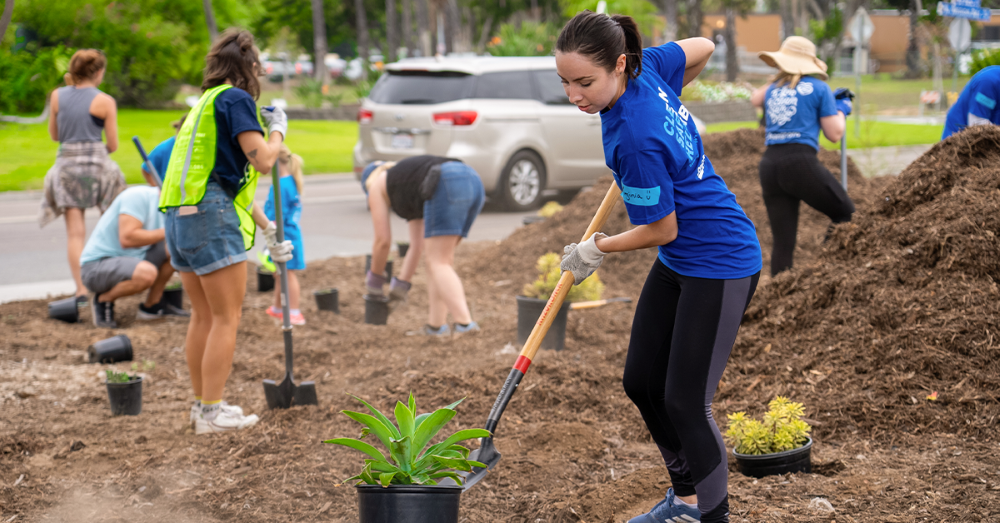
(319, 41)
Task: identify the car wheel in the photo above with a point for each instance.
(522, 182)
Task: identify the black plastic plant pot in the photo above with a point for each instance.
(327, 300)
(758, 466)
(65, 310)
(402, 247)
(408, 504)
(528, 311)
(173, 297)
(115, 348)
(376, 309)
(126, 398)
(388, 266)
(532, 218)
(265, 280)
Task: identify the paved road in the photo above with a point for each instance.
(335, 222)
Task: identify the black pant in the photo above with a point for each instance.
(790, 173)
(682, 334)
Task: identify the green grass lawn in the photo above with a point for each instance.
(325, 146)
(873, 133)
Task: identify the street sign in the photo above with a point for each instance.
(960, 34)
(861, 27)
(968, 3)
(958, 11)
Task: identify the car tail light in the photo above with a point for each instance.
(365, 116)
(456, 118)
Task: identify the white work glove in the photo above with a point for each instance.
(280, 252)
(276, 120)
(583, 259)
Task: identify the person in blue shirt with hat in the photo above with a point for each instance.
(708, 261)
(977, 105)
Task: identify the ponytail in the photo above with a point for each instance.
(783, 78)
(604, 39)
(292, 163)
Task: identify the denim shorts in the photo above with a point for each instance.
(206, 237)
(456, 202)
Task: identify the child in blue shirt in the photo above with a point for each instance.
(290, 179)
(797, 105)
(709, 259)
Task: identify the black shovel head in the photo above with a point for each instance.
(486, 454)
(285, 394)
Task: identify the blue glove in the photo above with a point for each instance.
(845, 105)
(843, 92)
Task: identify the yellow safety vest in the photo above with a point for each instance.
(192, 161)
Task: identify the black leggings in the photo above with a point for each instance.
(682, 334)
(790, 173)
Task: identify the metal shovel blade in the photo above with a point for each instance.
(285, 394)
(486, 454)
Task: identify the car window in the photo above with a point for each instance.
(509, 84)
(421, 87)
(550, 87)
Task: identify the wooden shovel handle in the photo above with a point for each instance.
(565, 282)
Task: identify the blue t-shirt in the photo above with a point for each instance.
(160, 157)
(978, 100)
(792, 115)
(141, 203)
(291, 213)
(653, 147)
(235, 113)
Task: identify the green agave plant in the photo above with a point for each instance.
(410, 463)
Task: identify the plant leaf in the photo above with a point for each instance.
(458, 464)
(385, 478)
(452, 475)
(476, 463)
(430, 427)
(382, 466)
(413, 404)
(366, 475)
(402, 453)
(358, 445)
(461, 435)
(453, 405)
(381, 417)
(404, 417)
(420, 419)
(460, 449)
(373, 424)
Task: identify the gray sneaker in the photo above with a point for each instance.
(103, 314)
(471, 327)
(441, 331)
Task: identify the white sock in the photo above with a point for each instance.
(295, 311)
(681, 502)
(209, 412)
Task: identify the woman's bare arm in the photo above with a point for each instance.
(110, 110)
(757, 98)
(697, 51)
(53, 111)
(660, 232)
(262, 154)
(833, 126)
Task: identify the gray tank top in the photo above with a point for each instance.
(75, 122)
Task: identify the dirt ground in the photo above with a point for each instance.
(896, 305)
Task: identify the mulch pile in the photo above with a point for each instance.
(898, 304)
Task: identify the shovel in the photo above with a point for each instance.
(285, 394)
(487, 453)
(152, 168)
(575, 306)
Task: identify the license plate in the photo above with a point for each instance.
(402, 141)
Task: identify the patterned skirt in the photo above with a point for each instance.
(83, 176)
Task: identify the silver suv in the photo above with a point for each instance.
(506, 117)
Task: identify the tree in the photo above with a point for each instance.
(669, 8)
(213, 28)
(8, 12)
(319, 40)
(787, 20)
(424, 27)
(407, 9)
(391, 32)
(913, 69)
(733, 8)
(361, 27)
(695, 17)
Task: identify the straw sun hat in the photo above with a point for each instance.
(797, 55)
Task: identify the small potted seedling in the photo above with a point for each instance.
(777, 445)
(536, 294)
(265, 273)
(404, 487)
(174, 295)
(124, 393)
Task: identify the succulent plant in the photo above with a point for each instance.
(781, 430)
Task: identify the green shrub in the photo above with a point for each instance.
(548, 277)
(781, 430)
(310, 92)
(406, 441)
(983, 58)
(528, 39)
(27, 78)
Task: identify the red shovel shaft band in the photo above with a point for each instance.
(522, 364)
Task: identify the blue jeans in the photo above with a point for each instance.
(456, 202)
(206, 237)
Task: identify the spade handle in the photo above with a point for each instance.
(286, 314)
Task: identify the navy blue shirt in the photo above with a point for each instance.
(160, 157)
(978, 100)
(793, 113)
(235, 113)
(653, 147)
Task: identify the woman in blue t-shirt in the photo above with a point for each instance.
(796, 106)
(709, 257)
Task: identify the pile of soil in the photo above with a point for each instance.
(735, 156)
(855, 332)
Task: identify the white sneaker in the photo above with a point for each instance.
(225, 421)
(196, 410)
